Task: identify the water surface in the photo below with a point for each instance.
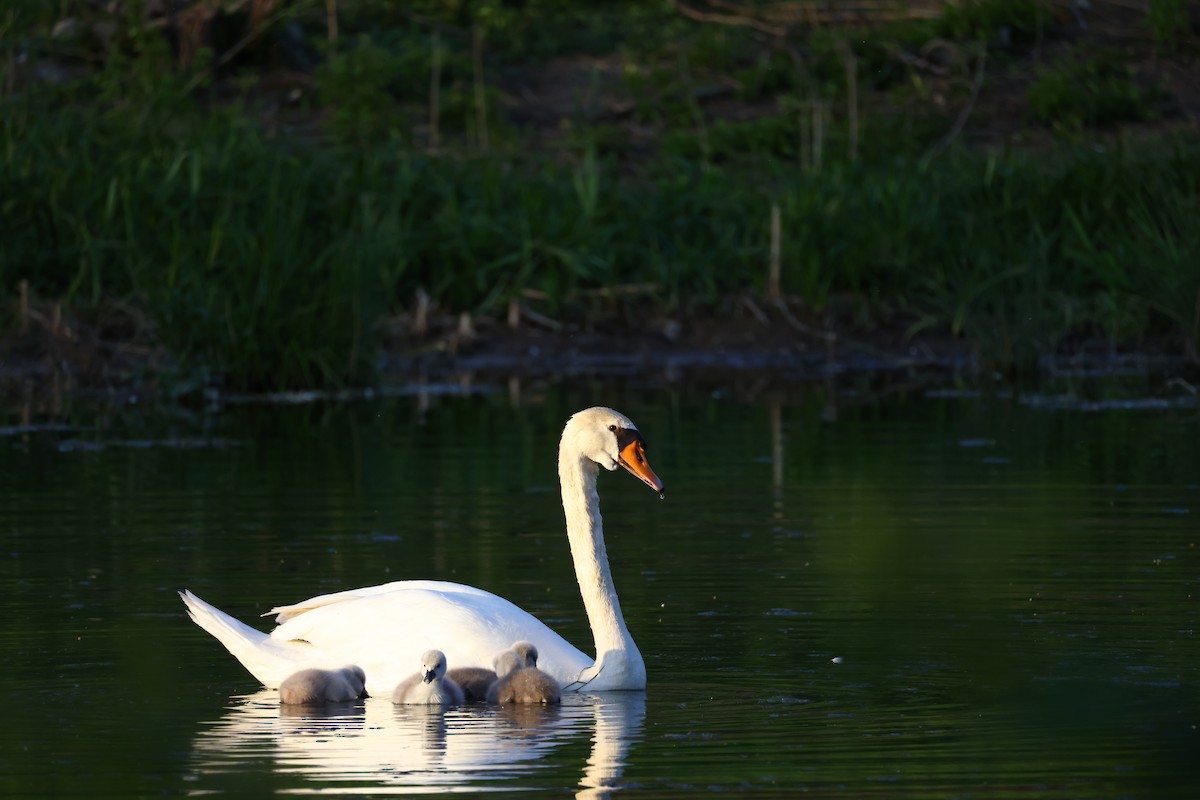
(929, 594)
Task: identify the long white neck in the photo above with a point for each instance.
(618, 663)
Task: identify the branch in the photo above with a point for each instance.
(963, 115)
(728, 19)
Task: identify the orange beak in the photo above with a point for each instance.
(633, 458)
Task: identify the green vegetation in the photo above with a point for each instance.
(1170, 22)
(267, 235)
(1088, 93)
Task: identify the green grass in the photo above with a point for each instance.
(1089, 92)
(269, 263)
(267, 258)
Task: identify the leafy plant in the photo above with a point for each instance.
(355, 84)
(1087, 93)
(1170, 22)
(1017, 21)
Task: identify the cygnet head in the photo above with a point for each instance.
(357, 672)
(433, 665)
(506, 661)
(610, 439)
(527, 652)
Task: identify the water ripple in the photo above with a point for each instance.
(375, 747)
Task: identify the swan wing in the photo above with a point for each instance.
(285, 613)
(269, 660)
(385, 631)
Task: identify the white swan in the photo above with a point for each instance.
(383, 628)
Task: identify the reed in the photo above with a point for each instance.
(269, 263)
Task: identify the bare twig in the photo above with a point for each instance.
(465, 329)
(965, 113)
(435, 88)
(420, 321)
(756, 311)
(729, 19)
(480, 95)
(541, 319)
(331, 22)
(850, 62)
(826, 336)
(24, 309)
(862, 12)
(232, 52)
(1195, 327)
(917, 62)
(818, 133)
(259, 9)
(773, 293)
(192, 23)
(1183, 384)
(618, 290)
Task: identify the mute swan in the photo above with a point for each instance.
(323, 686)
(521, 684)
(430, 686)
(384, 627)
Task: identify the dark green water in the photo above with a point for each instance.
(919, 596)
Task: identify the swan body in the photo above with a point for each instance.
(429, 686)
(383, 627)
(309, 686)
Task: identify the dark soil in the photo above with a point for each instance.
(747, 347)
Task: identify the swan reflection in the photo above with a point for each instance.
(375, 747)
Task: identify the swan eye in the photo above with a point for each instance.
(612, 428)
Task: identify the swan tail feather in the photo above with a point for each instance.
(267, 659)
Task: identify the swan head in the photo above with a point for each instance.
(433, 665)
(610, 439)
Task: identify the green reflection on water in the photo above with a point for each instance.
(1009, 592)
